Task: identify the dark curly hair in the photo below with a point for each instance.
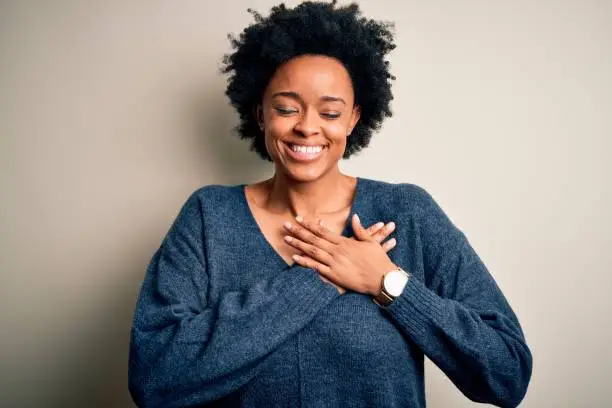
(314, 28)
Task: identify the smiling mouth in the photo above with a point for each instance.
(301, 152)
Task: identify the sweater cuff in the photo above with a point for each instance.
(417, 309)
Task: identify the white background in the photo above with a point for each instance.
(113, 112)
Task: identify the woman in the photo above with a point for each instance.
(275, 294)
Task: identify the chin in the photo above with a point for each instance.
(302, 173)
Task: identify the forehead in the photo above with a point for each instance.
(312, 75)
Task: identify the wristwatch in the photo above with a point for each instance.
(392, 285)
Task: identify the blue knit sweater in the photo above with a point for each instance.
(223, 321)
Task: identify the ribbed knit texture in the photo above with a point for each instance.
(223, 321)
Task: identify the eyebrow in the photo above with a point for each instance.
(295, 95)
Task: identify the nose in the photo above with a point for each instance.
(308, 123)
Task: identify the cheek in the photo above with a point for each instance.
(337, 132)
(276, 128)
(279, 126)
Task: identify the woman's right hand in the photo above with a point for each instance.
(379, 231)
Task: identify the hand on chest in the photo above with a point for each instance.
(271, 226)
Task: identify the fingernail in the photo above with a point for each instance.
(299, 218)
(296, 257)
(357, 219)
(391, 226)
(379, 225)
(392, 242)
(288, 238)
(288, 225)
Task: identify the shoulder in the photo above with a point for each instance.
(212, 199)
(409, 201)
(408, 197)
(216, 193)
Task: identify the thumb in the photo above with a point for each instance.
(360, 231)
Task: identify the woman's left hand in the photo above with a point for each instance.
(355, 264)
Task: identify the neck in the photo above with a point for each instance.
(329, 194)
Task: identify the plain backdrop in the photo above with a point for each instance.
(113, 112)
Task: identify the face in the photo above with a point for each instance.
(306, 114)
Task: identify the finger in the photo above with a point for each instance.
(319, 229)
(360, 232)
(373, 229)
(304, 235)
(312, 251)
(308, 262)
(383, 233)
(389, 245)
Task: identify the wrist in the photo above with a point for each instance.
(377, 284)
(392, 286)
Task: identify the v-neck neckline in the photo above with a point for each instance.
(251, 217)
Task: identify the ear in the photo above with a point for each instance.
(258, 113)
(355, 115)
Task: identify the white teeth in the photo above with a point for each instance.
(306, 149)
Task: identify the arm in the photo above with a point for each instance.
(185, 351)
(461, 319)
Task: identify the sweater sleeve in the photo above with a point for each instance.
(185, 351)
(460, 318)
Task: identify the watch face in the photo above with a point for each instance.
(395, 282)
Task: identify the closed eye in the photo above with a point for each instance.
(285, 111)
(331, 115)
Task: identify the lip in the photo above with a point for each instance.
(304, 144)
(304, 157)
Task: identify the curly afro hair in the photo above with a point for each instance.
(313, 28)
